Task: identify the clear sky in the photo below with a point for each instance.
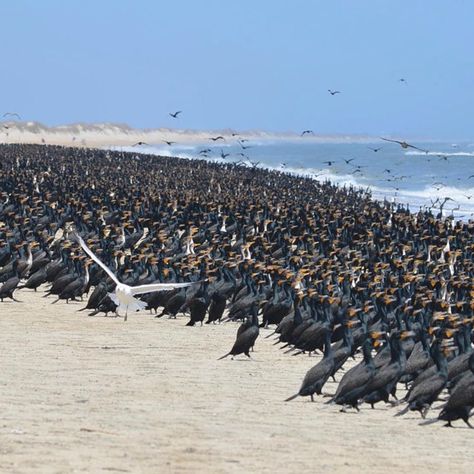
(245, 64)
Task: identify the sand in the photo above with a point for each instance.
(95, 394)
(104, 135)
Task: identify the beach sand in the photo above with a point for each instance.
(95, 394)
(104, 135)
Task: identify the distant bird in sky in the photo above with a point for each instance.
(333, 92)
(403, 80)
(375, 149)
(443, 157)
(175, 114)
(214, 139)
(224, 155)
(468, 197)
(305, 132)
(283, 165)
(329, 163)
(349, 160)
(469, 177)
(244, 147)
(140, 144)
(438, 186)
(254, 164)
(11, 114)
(387, 170)
(169, 143)
(404, 144)
(207, 150)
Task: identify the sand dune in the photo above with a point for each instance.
(95, 394)
(111, 134)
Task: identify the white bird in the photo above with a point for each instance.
(124, 295)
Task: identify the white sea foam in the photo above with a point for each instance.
(439, 153)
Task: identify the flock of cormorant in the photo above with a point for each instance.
(331, 270)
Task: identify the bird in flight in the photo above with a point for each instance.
(224, 155)
(214, 139)
(305, 132)
(349, 160)
(207, 150)
(175, 114)
(11, 114)
(124, 295)
(472, 176)
(403, 80)
(140, 144)
(333, 92)
(169, 143)
(468, 197)
(329, 163)
(403, 144)
(375, 150)
(244, 147)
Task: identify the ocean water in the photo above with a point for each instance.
(402, 175)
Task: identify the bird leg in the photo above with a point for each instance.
(126, 312)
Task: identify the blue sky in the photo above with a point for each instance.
(244, 64)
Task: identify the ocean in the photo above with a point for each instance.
(406, 176)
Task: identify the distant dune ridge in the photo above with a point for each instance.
(114, 134)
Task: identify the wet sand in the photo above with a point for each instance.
(95, 394)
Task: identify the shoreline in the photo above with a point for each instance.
(110, 134)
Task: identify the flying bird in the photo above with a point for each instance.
(169, 143)
(140, 144)
(244, 147)
(224, 155)
(329, 163)
(175, 114)
(375, 150)
(305, 132)
(404, 81)
(403, 144)
(11, 114)
(333, 92)
(349, 160)
(124, 295)
(214, 139)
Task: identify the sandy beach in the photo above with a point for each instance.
(95, 394)
(102, 135)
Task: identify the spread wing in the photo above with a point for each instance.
(389, 140)
(140, 289)
(416, 148)
(96, 259)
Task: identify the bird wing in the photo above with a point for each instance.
(139, 290)
(416, 148)
(389, 140)
(96, 259)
